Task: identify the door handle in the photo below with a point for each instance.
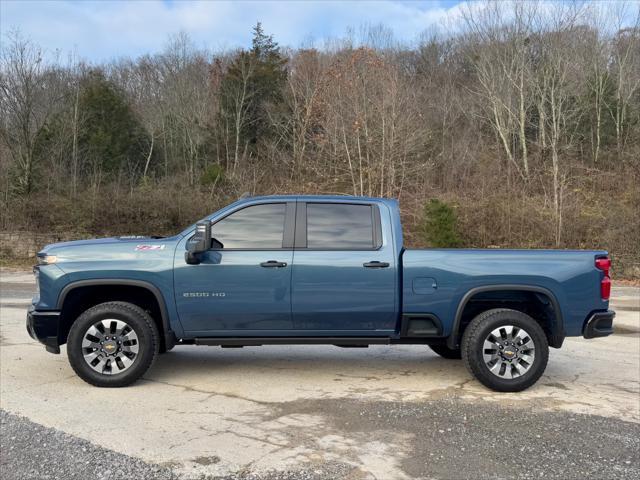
(273, 264)
(375, 264)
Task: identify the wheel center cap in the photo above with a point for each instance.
(509, 353)
(110, 347)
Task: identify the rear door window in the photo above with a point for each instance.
(335, 226)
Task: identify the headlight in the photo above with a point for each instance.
(47, 259)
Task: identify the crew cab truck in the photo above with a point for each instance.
(312, 270)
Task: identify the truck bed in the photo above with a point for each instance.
(438, 280)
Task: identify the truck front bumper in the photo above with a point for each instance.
(600, 324)
(43, 326)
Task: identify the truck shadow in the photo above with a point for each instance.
(304, 363)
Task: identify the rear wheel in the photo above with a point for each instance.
(506, 350)
(446, 352)
(112, 344)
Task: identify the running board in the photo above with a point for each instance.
(257, 341)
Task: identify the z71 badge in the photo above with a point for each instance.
(145, 248)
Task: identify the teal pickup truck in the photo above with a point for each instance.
(312, 270)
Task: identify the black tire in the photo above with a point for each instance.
(446, 352)
(473, 349)
(147, 341)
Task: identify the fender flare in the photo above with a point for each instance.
(557, 329)
(169, 336)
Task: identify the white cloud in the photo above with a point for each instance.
(100, 30)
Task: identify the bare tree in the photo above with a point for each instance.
(305, 81)
(626, 58)
(29, 94)
(499, 37)
(239, 96)
(184, 74)
(369, 130)
(558, 90)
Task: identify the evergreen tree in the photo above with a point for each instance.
(269, 81)
(439, 227)
(111, 135)
(251, 90)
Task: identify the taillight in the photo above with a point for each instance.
(605, 288)
(604, 264)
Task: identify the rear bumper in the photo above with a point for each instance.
(600, 324)
(43, 326)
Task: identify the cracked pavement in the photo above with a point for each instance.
(386, 412)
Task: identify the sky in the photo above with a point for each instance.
(104, 30)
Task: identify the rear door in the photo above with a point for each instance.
(344, 272)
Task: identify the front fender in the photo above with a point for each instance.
(169, 333)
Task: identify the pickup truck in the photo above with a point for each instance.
(311, 270)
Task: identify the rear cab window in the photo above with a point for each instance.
(342, 226)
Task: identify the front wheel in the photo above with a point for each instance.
(506, 350)
(112, 344)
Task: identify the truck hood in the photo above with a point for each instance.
(109, 249)
(101, 241)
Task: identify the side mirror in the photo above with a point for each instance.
(199, 243)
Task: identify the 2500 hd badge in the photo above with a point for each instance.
(204, 294)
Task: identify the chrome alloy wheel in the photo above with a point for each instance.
(110, 346)
(508, 351)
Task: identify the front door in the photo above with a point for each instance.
(244, 286)
(344, 270)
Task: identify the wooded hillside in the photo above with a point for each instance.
(511, 127)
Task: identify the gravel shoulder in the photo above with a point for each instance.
(446, 439)
(29, 451)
